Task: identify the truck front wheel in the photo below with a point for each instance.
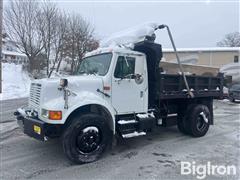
(199, 118)
(86, 138)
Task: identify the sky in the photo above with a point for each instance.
(193, 24)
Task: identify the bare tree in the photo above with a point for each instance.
(73, 29)
(58, 40)
(1, 37)
(43, 32)
(230, 40)
(20, 20)
(84, 40)
(47, 22)
(79, 39)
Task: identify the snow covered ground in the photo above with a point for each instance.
(16, 83)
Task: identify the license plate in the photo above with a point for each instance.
(37, 129)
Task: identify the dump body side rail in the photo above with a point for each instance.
(171, 86)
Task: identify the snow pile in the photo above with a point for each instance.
(130, 36)
(16, 83)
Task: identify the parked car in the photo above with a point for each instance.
(234, 92)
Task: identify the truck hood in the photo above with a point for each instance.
(74, 82)
(78, 85)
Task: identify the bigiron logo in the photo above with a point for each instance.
(201, 171)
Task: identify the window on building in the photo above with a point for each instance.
(13, 57)
(236, 59)
(9, 48)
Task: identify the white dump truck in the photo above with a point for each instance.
(118, 90)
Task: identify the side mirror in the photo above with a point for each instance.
(138, 78)
(63, 83)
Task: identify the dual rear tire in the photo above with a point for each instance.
(231, 99)
(195, 120)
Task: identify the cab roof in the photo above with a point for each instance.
(113, 49)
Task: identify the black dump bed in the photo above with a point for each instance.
(171, 86)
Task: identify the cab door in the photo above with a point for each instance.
(129, 85)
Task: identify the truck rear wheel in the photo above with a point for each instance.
(181, 124)
(86, 138)
(198, 118)
(231, 99)
(182, 121)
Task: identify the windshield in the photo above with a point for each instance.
(98, 64)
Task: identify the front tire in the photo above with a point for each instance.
(86, 138)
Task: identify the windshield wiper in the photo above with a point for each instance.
(81, 72)
(87, 73)
(93, 71)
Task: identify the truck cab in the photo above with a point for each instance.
(125, 79)
(116, 91)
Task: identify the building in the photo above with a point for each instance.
(10, 52)
(213, 57)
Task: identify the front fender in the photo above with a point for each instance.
(82, 99)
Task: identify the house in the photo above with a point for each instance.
(10, 52)
(212, 57)
(204, 61)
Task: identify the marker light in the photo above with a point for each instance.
(55, 115)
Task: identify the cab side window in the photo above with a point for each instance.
(125, 66)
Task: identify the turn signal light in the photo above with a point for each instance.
(106, 88)
(55, 115)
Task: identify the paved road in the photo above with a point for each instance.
(156, 156)
(7, 108)
(7, 119)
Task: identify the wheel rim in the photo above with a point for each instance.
(88, 140)
(201, 124)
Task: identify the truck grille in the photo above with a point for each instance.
(35, 92)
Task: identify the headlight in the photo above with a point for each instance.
(44, 113)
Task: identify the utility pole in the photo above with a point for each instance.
(1, 16)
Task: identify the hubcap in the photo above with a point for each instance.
(88, 139)
(200, 123)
